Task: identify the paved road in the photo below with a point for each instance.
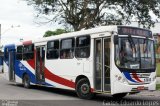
(16, 95)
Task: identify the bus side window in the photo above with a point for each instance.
(67, 48)
(19, 54)
(82, 47)
(28, 52)
(53, 49)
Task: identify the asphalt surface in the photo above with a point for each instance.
(17, 95)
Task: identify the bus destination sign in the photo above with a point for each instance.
(123, 30)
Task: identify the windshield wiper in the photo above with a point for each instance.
(132, 43)
(146, 42)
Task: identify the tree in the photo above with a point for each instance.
(90, 13)
(52, 33)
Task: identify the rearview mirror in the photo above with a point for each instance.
(115, 39)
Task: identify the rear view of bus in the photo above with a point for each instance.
(134, 66)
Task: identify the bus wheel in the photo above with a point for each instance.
(120, 95)
(26, 81)
(83, 89)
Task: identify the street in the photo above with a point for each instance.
(17, 95)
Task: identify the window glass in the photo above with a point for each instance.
(19, 53)
(67, 48)
(67, 43)
(28, 48)
(83, 41)
(28, 52)
(135, 53)
(82, 47)
(53, 49)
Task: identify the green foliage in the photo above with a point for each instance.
(52, 33)
(158, 69)
(158, 87)
(90, 13)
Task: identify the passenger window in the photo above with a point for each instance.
(28, 52)
(53, 49)
(82, 47)
(19, 53)
(67, 48)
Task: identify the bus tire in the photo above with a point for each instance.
(119, 95)
(26, 81)
(83, 89)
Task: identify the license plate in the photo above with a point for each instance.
(139, 88)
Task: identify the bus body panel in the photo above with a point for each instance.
(6, 68)
(7, 50)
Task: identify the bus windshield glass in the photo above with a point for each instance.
(135, 53)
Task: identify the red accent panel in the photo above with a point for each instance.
(31, 62)
(136, 77)
(27, 42)
(58, 79)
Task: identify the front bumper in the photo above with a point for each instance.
(119, 87)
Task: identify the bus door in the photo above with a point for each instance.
(11, 66)
(40, 59)
(102, 64)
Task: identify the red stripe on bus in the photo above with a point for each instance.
(52, 76)
(31, 62)
(58, 79)
(136, 77)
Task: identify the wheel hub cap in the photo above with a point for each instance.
(85, 88)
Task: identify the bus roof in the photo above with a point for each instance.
(78, 33)
(101, 29)
(10, 46)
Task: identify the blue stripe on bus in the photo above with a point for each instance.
(127, 75)
(21, 69)
(20, 73)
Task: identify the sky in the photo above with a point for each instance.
(18, 14)
(17, 21)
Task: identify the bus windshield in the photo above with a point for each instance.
(135, 53)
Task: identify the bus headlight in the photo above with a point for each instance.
(120, 79)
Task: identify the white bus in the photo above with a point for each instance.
(118, 60)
